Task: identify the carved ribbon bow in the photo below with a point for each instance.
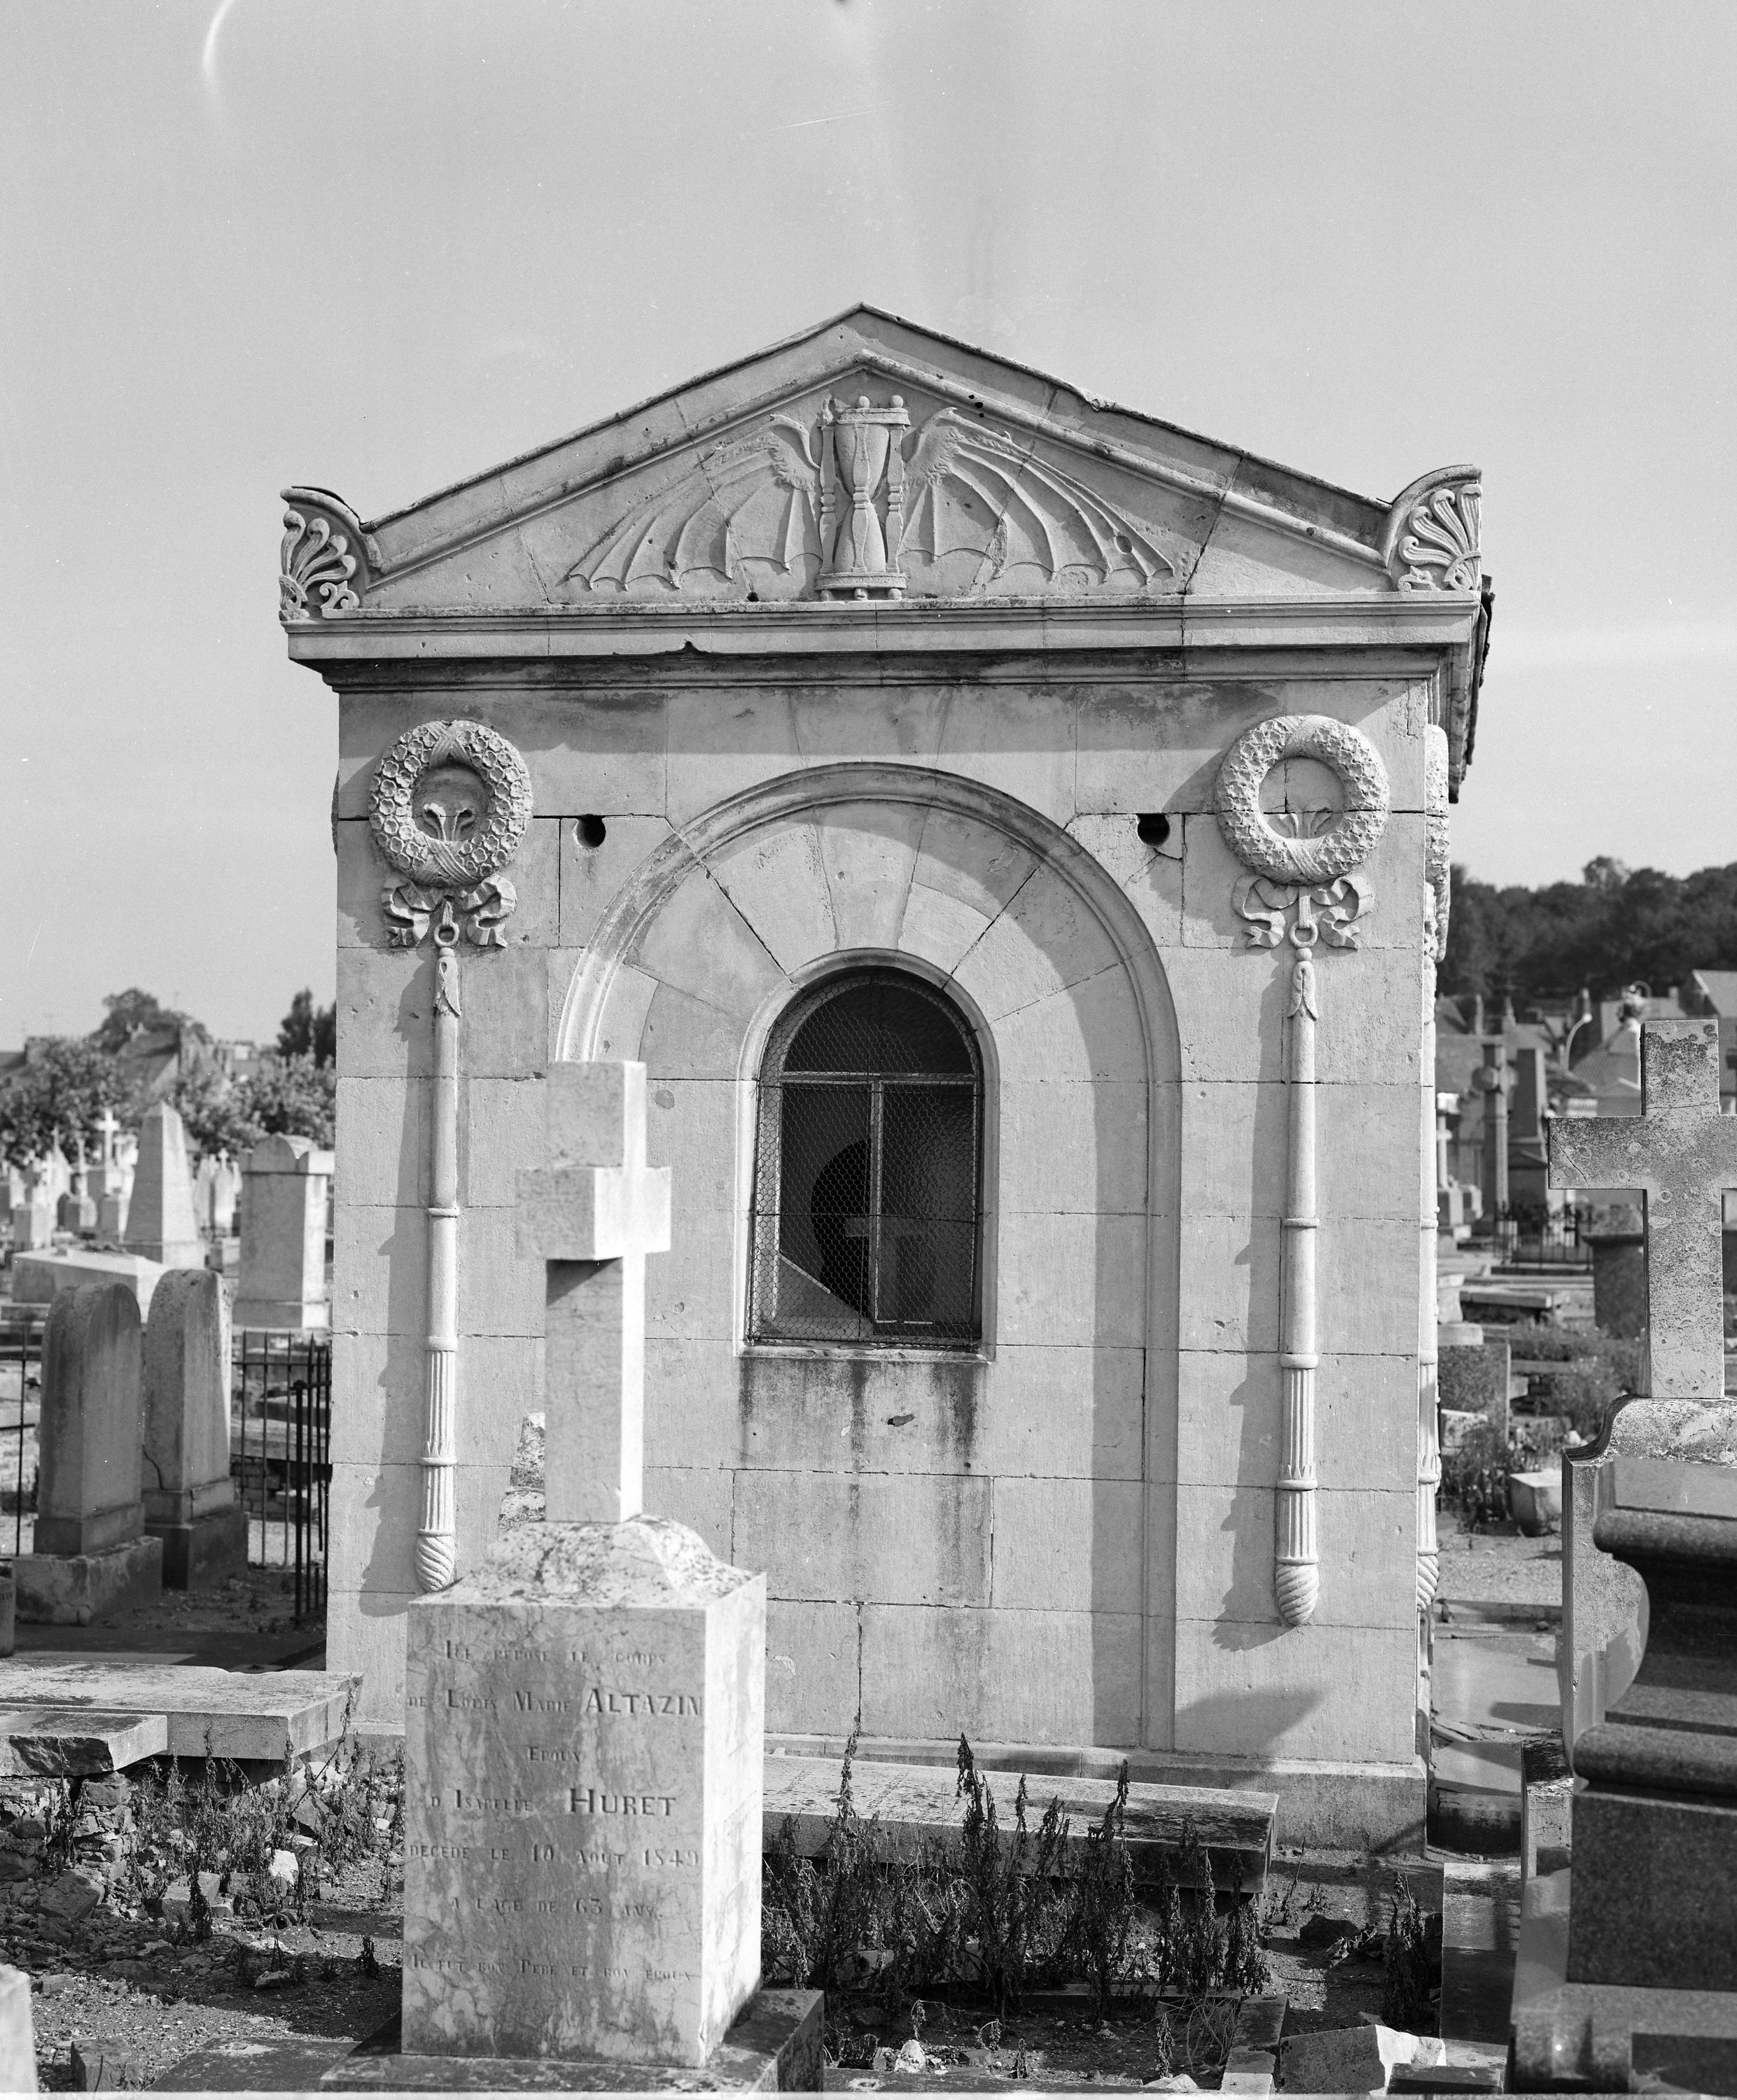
(1327, 912)
(410, 912)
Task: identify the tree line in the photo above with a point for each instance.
(67, 1083)
(1616, 927)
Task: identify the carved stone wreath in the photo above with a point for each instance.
(1351, 835)
(449, 862)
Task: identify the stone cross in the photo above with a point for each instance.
(593, 1214)
(1682, 1154)
(110, 1128)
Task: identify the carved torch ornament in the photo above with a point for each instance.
(1437, 889)
(449, 806)
(1304, 889)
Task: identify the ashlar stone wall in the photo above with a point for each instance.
(1067, 1536)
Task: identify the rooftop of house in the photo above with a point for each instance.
(1719, 988)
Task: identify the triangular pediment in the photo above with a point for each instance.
(869, 460)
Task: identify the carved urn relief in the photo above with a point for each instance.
(862, 498)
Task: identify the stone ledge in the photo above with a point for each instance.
(73, 1588)
(1323, 1802)
(774, 2048)
(234, 1714)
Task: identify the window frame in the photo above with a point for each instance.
(766, 1131)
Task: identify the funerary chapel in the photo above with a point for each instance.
(1011, 833)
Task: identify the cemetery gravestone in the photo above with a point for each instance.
(77, 1212)
(281, 1281)
(32, 1219)
(109, 1185)
(189, 1496)
(1650, 1953)
(159, 1220)
(1491, 1080)
(38, 1278)
(58, 1174)
(584, 1732)
(1618, 1253)
(91, 1551)
(226, 1192)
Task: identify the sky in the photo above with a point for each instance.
(379, 245)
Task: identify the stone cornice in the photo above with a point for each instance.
(1436, 621)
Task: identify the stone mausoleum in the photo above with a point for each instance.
(1011, 831)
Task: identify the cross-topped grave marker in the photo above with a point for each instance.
(585, 1718)
(593, 1213)
(1682, 1154)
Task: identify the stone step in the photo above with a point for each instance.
(913, 1801)
(230, 1713)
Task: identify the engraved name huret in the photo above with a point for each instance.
(1304, 889)
(586, 1708)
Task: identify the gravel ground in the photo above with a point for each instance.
(118, 1985)
(1497, 1566)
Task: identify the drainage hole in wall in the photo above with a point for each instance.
(1154, 827)
(592, 832)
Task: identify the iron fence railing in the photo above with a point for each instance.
(1557, 1242)
(20, 1412)
(279, 1453)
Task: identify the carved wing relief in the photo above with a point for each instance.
(960, 473)
(756, 498)
(974, 506)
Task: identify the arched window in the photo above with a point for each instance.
(868, 1170)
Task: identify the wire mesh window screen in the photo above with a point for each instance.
(867, 1170)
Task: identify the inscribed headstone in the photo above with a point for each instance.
(189, 1496)
(584, 1737)
(159, 1220)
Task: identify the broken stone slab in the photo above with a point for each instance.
(913, 1802)
(76, 1588)
(775, 2047)
(1248, 2071)
(1260, 2022)
(232, 1713)
(101, 2066)
(1352, 2059)
(76, 1742)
